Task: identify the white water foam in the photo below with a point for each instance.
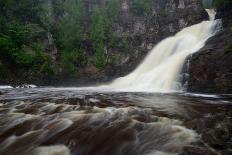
(160, 69)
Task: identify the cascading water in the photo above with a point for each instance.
(160, 69)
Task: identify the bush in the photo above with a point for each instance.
(47, 69)
(100, 57)
(24, 27)
(21, 36)
(71, 61)
(24, 59)
(5, 45)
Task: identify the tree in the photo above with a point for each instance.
(71, 28)
(97, 35)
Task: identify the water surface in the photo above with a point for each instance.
(78, 121)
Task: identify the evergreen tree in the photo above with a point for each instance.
(97, 35)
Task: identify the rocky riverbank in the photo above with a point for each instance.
(210, 69)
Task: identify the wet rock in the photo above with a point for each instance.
(107, 123)
(144, 32)
(140, 33)
(210, 69)
(193, 150)
(227, 152)
(219, 136)
(224, 13)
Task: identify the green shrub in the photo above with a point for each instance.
(24, 27)
(47, 69)
(24, 59)
(19, 33)
(67, 65)
(5, 44)
(100, 57)
(40, 58)
(72, 61)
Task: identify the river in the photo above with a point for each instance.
(144, 113)
(64, 121)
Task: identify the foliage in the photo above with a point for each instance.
(24, 25)
(25, 10)
(97, 35)
(17, 46)
(124, 45)
(112, 10)
(23, 58)
(71, 28)
(20, 35)
(47, 69)
(49, 11)
(71, 61)
(101, 33)
(5, 45)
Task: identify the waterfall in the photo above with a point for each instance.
(159, 71)
(211, 13)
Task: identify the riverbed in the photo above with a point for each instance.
(64, 121)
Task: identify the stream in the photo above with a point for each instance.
(64, 121)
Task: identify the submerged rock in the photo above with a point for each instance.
(50, 122)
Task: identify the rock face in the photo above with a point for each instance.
(211, 68)
(142, 34)
(169, 17)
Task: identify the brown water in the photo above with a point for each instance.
(63, 121)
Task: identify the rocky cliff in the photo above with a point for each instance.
(141, 32)
(211, 68)
(138, 27)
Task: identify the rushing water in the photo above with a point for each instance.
(64, 121)
(159, 72)
(114, 120)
